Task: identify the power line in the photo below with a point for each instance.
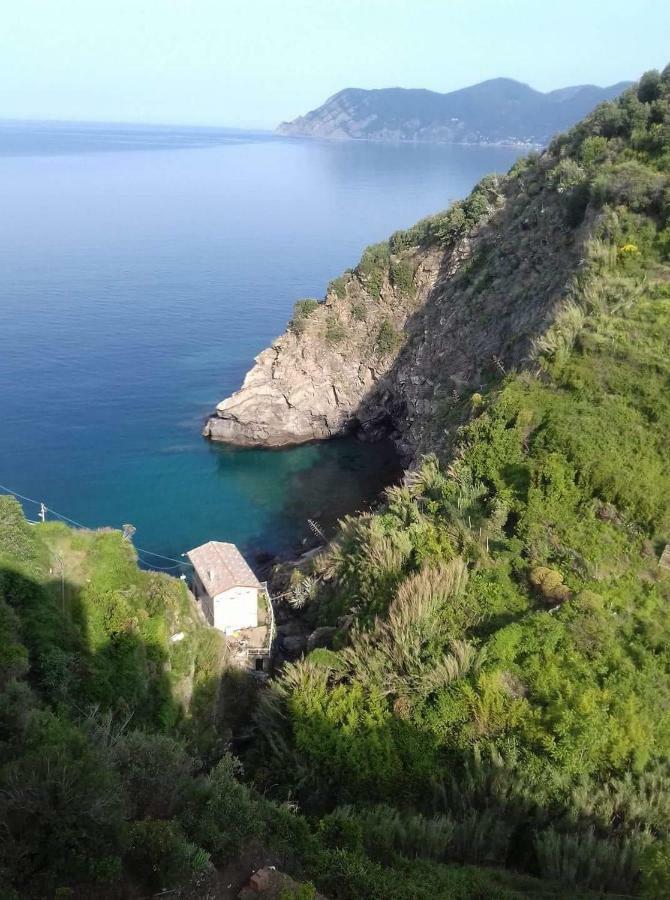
(162, 568)
(179, 562)
(20, 496)
(160, 556)
(65, 518)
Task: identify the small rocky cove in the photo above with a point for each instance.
(399, 347)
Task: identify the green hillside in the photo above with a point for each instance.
(500, 110)
(115, 777)
(491, 717)
(504, 697)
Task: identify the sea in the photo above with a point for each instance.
(141, 270)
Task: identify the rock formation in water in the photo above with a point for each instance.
(311, 383)
(499, 111)
(423, 320)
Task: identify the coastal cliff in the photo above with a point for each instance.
(313, 381)
(424, 320)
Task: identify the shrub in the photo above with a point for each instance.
(565, 176)
(358, 311)
(419, 234)
(609, 120)
(402, 276)
(388, 339)
(17, 538)
(663, 243)
(549, 582)
(155, 769)
(302, 310)
(222, 815)
(592, 150)
(340, 831)
(649, 87)
(627, 256)
(631, 184)
(158, 852)
(13, 654)
(451, 225)
(335, 330)
(60, 804)
(339, 287)
(466, 214)
(656, 872)
(374, 266)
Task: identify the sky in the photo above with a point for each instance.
(257, 62)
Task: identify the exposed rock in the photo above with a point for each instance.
(271, 884)
(321, 637)
(289, 397)
(294, 645)
(344, 623)
(292, 638)
(311, 384)
(400, 344)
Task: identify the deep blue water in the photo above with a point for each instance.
(141, 269)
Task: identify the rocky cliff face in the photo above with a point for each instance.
(400, 343)
(313, 381)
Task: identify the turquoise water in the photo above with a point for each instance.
(141, 271)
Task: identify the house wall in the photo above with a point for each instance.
(203, 597)
(236, 608)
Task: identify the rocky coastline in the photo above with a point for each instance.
(401, 343)
(324, 377)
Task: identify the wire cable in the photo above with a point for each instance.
(179, 562)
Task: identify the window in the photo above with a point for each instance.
(259, 664)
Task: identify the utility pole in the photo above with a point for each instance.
(43, 512)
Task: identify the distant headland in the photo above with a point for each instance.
(498, 111)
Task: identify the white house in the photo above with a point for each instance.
(225, 586)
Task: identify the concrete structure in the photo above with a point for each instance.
(225, 586)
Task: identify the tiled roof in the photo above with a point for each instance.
(221, 567)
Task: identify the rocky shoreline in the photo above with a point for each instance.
(426, 320)
(324, 376)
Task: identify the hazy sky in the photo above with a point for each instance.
(253, 63)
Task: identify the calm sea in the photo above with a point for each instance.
(141, 269)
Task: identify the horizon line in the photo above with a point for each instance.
(66, 120)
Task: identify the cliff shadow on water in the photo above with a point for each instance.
(313, 486)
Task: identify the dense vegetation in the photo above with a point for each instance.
(504, 695)
(115, 775)
(492, 716)
(89, 683)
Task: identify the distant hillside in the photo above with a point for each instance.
(499, 111)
